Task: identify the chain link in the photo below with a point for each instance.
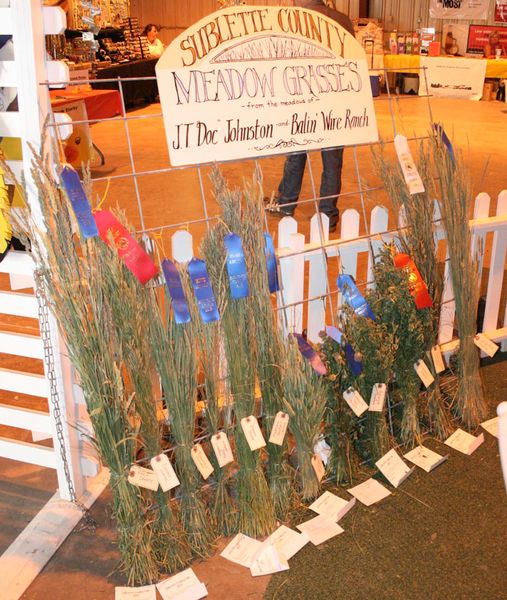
(49, 361)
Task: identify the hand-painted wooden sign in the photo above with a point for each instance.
(253, 81)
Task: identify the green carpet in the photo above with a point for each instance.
(441, 535)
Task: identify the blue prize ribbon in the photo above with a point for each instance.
(173, 282)
(311, 355)
(79, 202)
(334, 333)
(236, 266)
(355, 366)
(269, 249)
(353, 297)
(439, 130)
(203, 290)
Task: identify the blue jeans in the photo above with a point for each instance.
(330, 182)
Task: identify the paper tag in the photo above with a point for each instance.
(318, 467)
(242, 550)
(410, 173)
(195, 592)
(201, 461)
(142, 477)
(438, 359)
(491, 426)
(146, 592)
(334, 507)
(464, 442)
(356, 402)
(424, 373)
(253, 433)
(319, 529)
(222, 448)
(183, 586)
(369, 492)
(268, 561)
(165, 473)
(323, 450)
(425, 458)
(393, 468)
(279, 428)
(288, 541)
(484, 343)
(378, 396)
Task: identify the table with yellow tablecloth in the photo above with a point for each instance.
(407, 63)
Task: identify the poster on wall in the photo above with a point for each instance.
(455, 38)
(453, 77)
(478, 37)
(501, 11)
(246, 82)
(459, 9)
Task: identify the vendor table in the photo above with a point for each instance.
(406, 63)
(133, 91)
(100, 104)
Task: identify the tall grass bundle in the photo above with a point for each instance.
(454, 197)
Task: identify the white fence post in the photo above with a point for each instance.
(317, 284)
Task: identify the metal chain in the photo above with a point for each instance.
(49, 361)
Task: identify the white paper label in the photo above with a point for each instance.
(222, 448)
(146, 592)
(491, 426)
(201, 461)
(288, 541)
(319, 529)
(410, 173)
(424, 373)
(142, 477)
(242, 550)
(369, 492)
(485, 344)
(279, 428)
(165, 473)
(183, 586)
(268, 561)
(334, 507)
(425, 458)
(378, 397)
(464, 442)
(253, 433)
(318, 467)
(393, 468)
(438, 359)
(356, 402)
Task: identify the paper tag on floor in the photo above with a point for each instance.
(464, 442)
(369, 492)
(268, 561)
(253, 433)
(318, 467)
(332, 506)
(438, 359)
(242, 550)
(393, 468)
(279, 428)
(410, 173)
(319, 529)
(146, 592)
(142, 477)
(165, 473)
(183, 586)
(425, 458)
(491, 426)
(424, 373)
(222, 448)
(288, 541)
(201, 461)
(485, 344)
(378, 397)
(356, 402)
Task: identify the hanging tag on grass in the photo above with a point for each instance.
(407, 164)
(269, 251)
(424, 373)
(416, 283)
(318, 467)
(222, 448)
(203, 290)
(356, 402)
(438, 359)
(165, 473)
(201, 461)
(146, 592)
(129, 250)
(483, 342)
(311, 355)
(236, 266)
(393, 468)
(279, 428)
(79, 201)
(378, 397)
(175, 288)
(142, 477)
(464, 442)
(253, 433)
(353, 297)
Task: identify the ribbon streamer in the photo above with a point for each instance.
(353, 297)
(439, 130)
(416, 284)
(175, 288)
(203, 290)
(236, 266)
(269, 249)
(334, 333)
(79, 202)
(356, 366)
(311, 355)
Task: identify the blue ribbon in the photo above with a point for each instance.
(269, 249)
(173, 282)
(79, 202)
(236, 266)
(439, 130)
(353, 297)
(311, 355)
(356, 366)
(334, 333)
(203, 290)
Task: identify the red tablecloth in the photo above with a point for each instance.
(100, 104)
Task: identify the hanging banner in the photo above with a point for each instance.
(453, 77)
(254, 81)
(501, 11)
(459, 9)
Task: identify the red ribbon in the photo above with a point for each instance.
(416, 284)
(129, 250)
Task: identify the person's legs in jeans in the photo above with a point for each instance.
(290, 184)
(331, 181)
